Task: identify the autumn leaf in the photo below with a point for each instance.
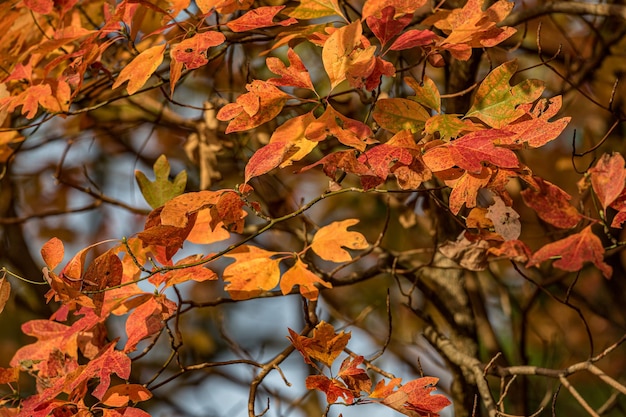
(224, 6)
(333, 388)
(396, 114)
(253, 272)
(300, 274)
(205, 230)
(496, 102)
(345, 161)
(465, 187)
(259, 105)
(295, 75)
(472, 27)
(168, 238)
(426, 92)
(551, 204)
(147, 320)
(140, 69)
(192, 52)
(287, 144)
(414, 38)
(355, 378)
(105, 271)
(608, 177)
(449, 126)
(344, 56)
(325, 345)
(416, 396)
(332, 123)
(259, 17)
(161, 190)
(573, 251)
(40, 6)
(384, 157)
(53, 252)
(377, 7)
(515, 250)
(386, 27)
(329, 241)
(50, 336)
(469, 151)
(176, 211)
(313, 9)
(121, 395)
(535, 127)
(5, 291)
(505, 220)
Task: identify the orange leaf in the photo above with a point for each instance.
(260, 17)
(206, 231)
(465, 188)
(140, 69)
(324, 346)
(295, 75)
(53, 252)
(416, 396)
(121, 395)
(193, 51)
(471, 150)
(329, 241)
(348, 131)
(224, 6)
(253, 272)
(344, 56)
(573, 252)
(299, 274)
(259, 105)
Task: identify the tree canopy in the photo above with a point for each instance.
(312, 208)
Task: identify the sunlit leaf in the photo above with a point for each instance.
(140, 69)
(329, 241)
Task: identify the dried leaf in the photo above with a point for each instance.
(5, 291)
(505, 220)
(355, 378)
(573, 251)
(329, 241)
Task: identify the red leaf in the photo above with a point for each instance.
(381, 158)
(259, 18)
(551, 204)
(295, 75)
(573, 252)
(40, 6)
(387, 26)
(333, 388)
(147, 320)
(608, 177)
(193, 51)
(471, 150)
(420, 398)
(413, 38)
(105, 271)
(515, 250)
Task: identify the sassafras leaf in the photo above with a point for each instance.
(329, 241)
(140, 69)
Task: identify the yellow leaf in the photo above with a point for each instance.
(329, 241)
(140, 69)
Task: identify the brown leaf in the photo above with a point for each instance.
(333, 388)
(5, 291)
(608, 177)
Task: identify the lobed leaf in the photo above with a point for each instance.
(140, 69)
(161, 190)
(329, 241)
